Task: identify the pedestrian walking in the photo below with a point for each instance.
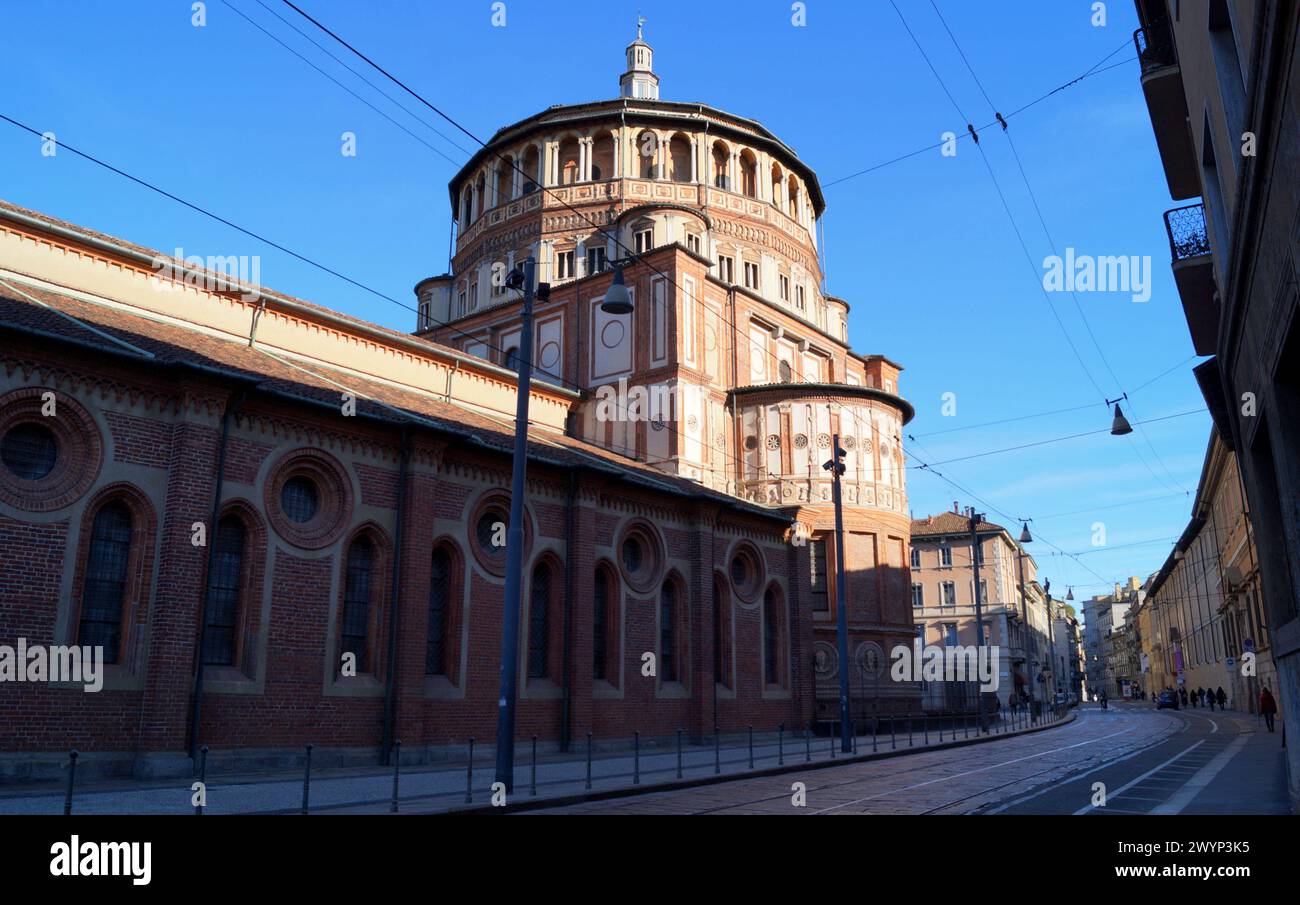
(1267, 707)
(1222, 698)
(1209, 696)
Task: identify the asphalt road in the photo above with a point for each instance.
(1148, 761)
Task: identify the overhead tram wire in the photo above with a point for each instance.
(63, 146)
(408, 111)
(927, 468)
(1094, 70)
(1019, 236)
(1051, 242)
(1103, 430)
(435, 150)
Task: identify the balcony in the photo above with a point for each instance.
(1162, 83)
(1193, 265)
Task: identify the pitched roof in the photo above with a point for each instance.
(83, 324)
(946, 523)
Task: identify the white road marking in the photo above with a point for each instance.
(1183, 797)
(1146, 775)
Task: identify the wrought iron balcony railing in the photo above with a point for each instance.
(1155, 46)
(1187, 234)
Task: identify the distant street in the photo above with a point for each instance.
(1150, 761)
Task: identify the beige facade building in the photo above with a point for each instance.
(1206, 603)
(943, 598)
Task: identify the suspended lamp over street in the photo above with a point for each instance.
(1025, 537)
(1119, 426)
(617, 299)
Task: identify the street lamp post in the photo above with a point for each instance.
(836, 467)
(975, 519)
(505, 765)
(1025, 538)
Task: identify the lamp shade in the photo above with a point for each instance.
(617, 299)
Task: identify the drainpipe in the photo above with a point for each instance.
(232, 405)
(566, 701)
(390, 681)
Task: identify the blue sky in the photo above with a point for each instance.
(922, 249)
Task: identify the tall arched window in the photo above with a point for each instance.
(600, 619)
(748, 174)
(107, 566)
(721, 627)
(647, 152)
(436, 659)
(505, 179)
(358, 585)
(668, 665)
(539, 623)
(225, 587)
(771, 639)
(721, 157)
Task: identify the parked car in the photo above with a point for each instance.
(1167, 699)
(1074, 699)
(1061, 700)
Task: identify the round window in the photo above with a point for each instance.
(29, 450)
(633, 555)
(491, 531)
(740, 572)
(299, 499)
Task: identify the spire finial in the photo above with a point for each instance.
(640, 23)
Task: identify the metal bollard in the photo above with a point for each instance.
(717, 750)
(780, 744)
(397, 770)
(679, 754)
(588, 760)
(832, 736)
(469, 773)
(636, 758)
(925, 726)
(203, 777)
(807, 740)
(751, 747)
(306, 779)
(532, 782)
(893, 742)
(72, 775)
(875, 729)
(853, 731)
(909, 729)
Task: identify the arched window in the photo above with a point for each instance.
(358, 588)
(668, 665)
(777, 181)
(771, 639)
(107, 567)
(467, 207)
(505, 178)
(679, 155)
(569, 170)
(721, 630)
(539, 623)
(792, 197)
(532, 166)
(480, 195)
(748, 174)
(602, 621)
(647, 152)
(225, 588)
(602, 166)
(720, 159)
(437, 656)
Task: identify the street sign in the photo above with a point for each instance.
(1248, 645)
(1230, 663)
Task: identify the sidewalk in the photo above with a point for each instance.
(440, 788)
(1251, 779)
